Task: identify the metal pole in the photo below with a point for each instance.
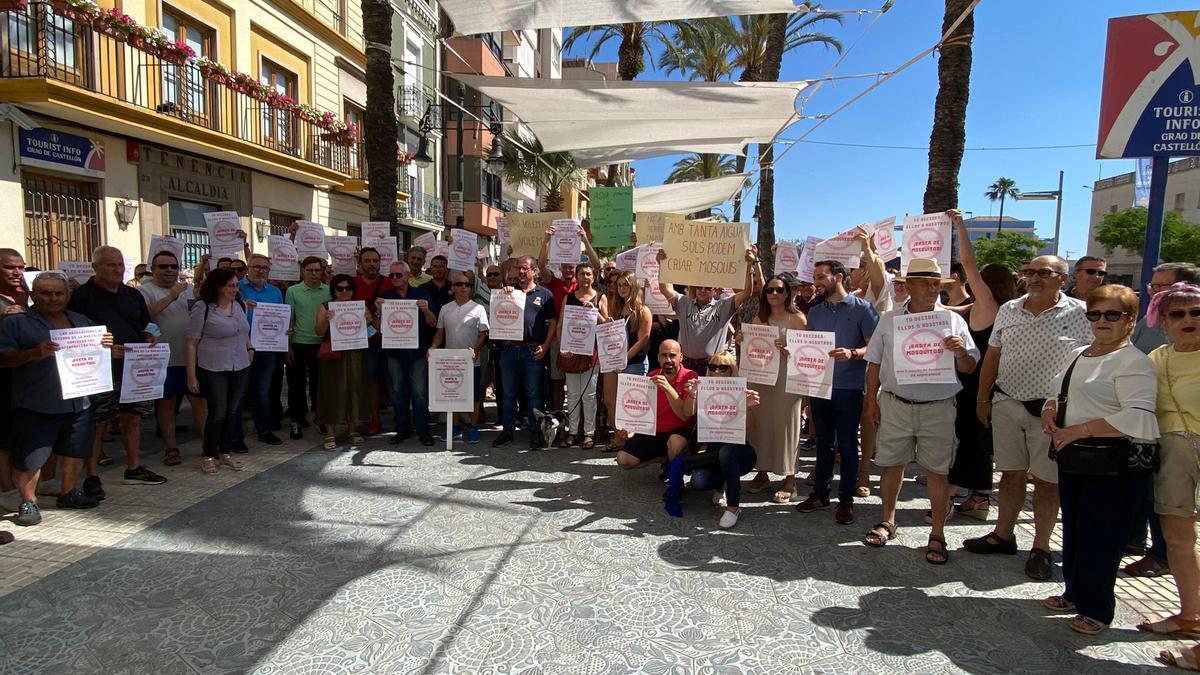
(1058, 213)
(462, 119)
(1154, 226)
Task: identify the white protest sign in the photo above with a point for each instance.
(144, 371)
(885, 239)
(442, 248)
(918, 353)
(637, 404)
(626, 261)
(131, 265)
(612, 346)
(759, 356)
(810, 367)
(426, 241)
(79, 272)
(564, 243)
(84, 365)
(579, 330)
(285, 259)
(310, 239)
(464, 246)
(843, 248)
(223, 230)
(451, 380)
(269, 327)
(926, 236)
(387, 253)
(647, 262)
(506, 315)
(503, 237)
(399, 323)
(721, 410)
(375, 231)
(348, 325)
(162, 242)
(807, 259)
(341, 249)
(787, 257)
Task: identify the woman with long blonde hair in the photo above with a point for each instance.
(625, 302)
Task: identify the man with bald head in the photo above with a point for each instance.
(674, 422)
(1032, 342)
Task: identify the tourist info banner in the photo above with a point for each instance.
(760, 356)
(399, 323)
(269, 328)
(144, 371)
(721, 410)
(348, 325)
(637, 404)
(84, 364)
(810, 367)
(506, 315)
(451, 380)
(918, 350)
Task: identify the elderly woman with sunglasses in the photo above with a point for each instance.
(1110, 395)
(342, 395)
(1177, 309)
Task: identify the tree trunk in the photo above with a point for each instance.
(631, 60)
(1000, 220)
(772, 62)
(554, 199)
(737, 199)
(379, 132)
(948, 138)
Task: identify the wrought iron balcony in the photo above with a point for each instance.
(422, 207)
(412, 101)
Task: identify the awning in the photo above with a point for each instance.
(687, 197)
(571, 115)
(589, 157)
(487, 16)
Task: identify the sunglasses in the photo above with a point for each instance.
(1111, 315)
(167, 267)
(1177, 314)
(461, 284)
(398, 275)
(260, 268)
(493, 274)
(343, 289)
(719, 368)
(772, 290)
(1093, 272)
(1044, 273)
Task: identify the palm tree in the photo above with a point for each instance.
(702, 53)
(637, 42)
(949, 134)
(546, 171)
(379, 123)
(697, 166)
(1002, 188)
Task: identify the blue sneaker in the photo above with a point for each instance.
(458, 434)
(472, 436)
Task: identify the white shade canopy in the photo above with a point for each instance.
(687, 197)
(571, 115)
(589, 157)
(488, 16)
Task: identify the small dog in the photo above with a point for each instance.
(553, 427)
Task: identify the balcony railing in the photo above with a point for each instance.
(414, 99)
(38, 43)
(423, 207)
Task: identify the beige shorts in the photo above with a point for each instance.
(923, 432)
(1178, 475)
(1018, 442)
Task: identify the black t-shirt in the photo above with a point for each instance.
(124, 312)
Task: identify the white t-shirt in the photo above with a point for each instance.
(172, 320)
(884, 302)
(463, 324)
(1121, 388)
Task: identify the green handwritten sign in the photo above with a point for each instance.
(611, 215)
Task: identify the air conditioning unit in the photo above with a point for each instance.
(512, 53)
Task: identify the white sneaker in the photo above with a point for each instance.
(718, 498)
(728, 519)
(50, 488)
(10, 501)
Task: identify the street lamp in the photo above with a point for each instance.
(1056, 195)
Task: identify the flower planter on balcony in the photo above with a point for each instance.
(13, 5)
(213, 75)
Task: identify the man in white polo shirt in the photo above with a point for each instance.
(1031, 344)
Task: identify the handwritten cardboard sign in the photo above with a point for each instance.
(528, 231)
(611, 215)
(651, 225)
(702, 253)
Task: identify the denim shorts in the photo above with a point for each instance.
(38, 434)
(375, 362)
(635, 368)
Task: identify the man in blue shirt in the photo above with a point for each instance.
(255, 289)
(408, 368)
(852, 320)
(522, 363)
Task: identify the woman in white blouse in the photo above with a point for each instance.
(1111, 394)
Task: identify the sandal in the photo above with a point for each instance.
(1187, 659)
(173, 458)
(330, 443)
(937, 556)
(863, 491)
(568, 441)
(1146, 567)
(979, 507)
(1087, 625)
(356, 438)
(989, 544)
(756, 486)
(1172, 625)
(1057, 603)
(588, 443)
(1040, 565)
(878, 539)
(104, 460)
(784, 495)
(229, 462)
(208, 465)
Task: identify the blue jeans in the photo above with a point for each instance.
(733, 462)
(410, 394)
(258, 389)
(520, 371)
(836, 420)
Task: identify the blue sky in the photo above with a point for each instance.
(1035, 81)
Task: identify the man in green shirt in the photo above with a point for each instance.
(304, 299)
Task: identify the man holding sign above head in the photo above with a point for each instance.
(522, 362)
(911, 388)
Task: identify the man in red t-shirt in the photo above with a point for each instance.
(368, 285)
(674, 421)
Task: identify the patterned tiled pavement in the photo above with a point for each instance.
(419, 560)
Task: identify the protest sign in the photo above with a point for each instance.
(131, 264)
(843, 248)
(506, 315)
(918, 354)
(310, 239)
(162, 242)
(224, 228)
(399, 321)
(759, 355)
(528, 231)
(348, 325)
(342, 250)
(84, 365)
(652, 225)
(808, 260)
(647, 272)
(564, 243)
(79, 272)
(626, 261)
(269, 327)
(810, 367)
(611, 215)
(926, 236)
(885, 239)
(375, 231)
(579, 329)
(387, 253)
(612, 344)
(144, 371)
(464, 246)
(451, 380)
(441, 248)
(503, 237)
(721, 410)
(285, 263)
(702, 253)
(637, 404)
(787, 257)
